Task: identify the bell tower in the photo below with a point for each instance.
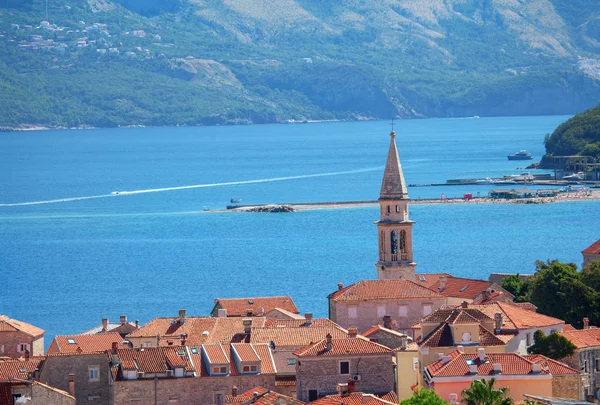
(394, 227)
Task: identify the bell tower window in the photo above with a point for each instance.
(403, 241)
(389, 209)
(397, 208)
(394, 242)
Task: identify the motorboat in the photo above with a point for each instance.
(520, 155)
(575, 176)
(487, 180)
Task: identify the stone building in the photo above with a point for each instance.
(257, 306)
(85, 343)
(365, 303)
(321, 366)
(260, 396)
(586, 357)
(189, 375)
(567, 382)
(386, 336)
(33, 393)
(83, 375)
(591, 253)
(20, 339)
(459, 289)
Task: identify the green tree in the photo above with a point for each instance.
(549, 290)
(555, 346)
(424, 397)
(483, 392)
(590, 275)
(518, 287)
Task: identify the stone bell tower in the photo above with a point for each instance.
(394, 227)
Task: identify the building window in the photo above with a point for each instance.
(313, 395)
(249, 369)
(427, 309)
(585, 366)
(466, 337)
(291, 362)
(394, 242)
(388, 209)
(219, 399)
(415, 363)
(380, 311)
(352, 312)
(344, 367)
(147, 344)
(22, 347)
(397, 208)
(382, 242)
(94, 373)
(597, 364)
(402, 241)
(403, 311)
(220, 370)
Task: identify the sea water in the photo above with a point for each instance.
(68, 260)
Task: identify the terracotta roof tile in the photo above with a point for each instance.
(199, 330)
(515, 317)
(593, 249)
(85, 343)
(451, 315)
(245, 352)
(442, 337)
(568, 328)
(553, 366)
(458, 287)
(290, 315)
(583, 338)
(383, 289)
(427, 280)
(11, 325)
(356, 398)
(267, 363)
(264, 397)
(216, 353)
(342, 347)
(512, 364)
(61, 392)
(296, 333)
(155, 359)
(10, 369)
(239, 306)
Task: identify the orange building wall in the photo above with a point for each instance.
(516, 388)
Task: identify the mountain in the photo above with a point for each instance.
(188, 62)
(580, 135)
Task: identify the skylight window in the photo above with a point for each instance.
(464, 288)
(71, 341)
(181, 352)
(422, 278)
(194, 350)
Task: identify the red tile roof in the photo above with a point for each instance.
(12, 325)
(199, 329)
(457, 315)
(155, 359)
(515, 317)
(553, 366)
(567, 328)
(10, 369)
(357, 398)
(85, 343)
(245, 352)
(345, 346)
(583, 338)
(458, 287)
(215, 353)
(263, 397)
(239, 306)
(512, 364)
(593, 249)
(427, 280)
(296, 333)
(383, 289)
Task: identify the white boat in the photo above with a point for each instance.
(575, 176)
(115, 192)
(487, 180)
(505, 182)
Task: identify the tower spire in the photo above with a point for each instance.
(393, 186)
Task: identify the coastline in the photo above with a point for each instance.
(591, 195)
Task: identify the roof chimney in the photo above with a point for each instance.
(247, 325)
(261, 311)
(123, 319)
(464, 304)
(536, 368)
(340, 286)
(328, 342)
(586, 323)
(498, 322)
(486, 293)
(184, 337)
(351, 386)
(387, 322)
(352, 331)
(249, 312)
(137, 324)
(443, 280)
(445, 359)
(104, 324)
(254, 396)
(460, 348)
(473, 369)
(404, 342)
(308, 317)
(497, 368)
(72, 384)
(221, 313)
(113, 351)
(182, 316)
(481, 354)
(234, 391)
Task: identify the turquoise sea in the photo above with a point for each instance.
(66, 264)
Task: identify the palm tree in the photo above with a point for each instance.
(482, 392)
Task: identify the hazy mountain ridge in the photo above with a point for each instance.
(215, 61)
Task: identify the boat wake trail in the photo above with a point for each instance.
(160, 190)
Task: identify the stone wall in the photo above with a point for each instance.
(323, 374)
(185, 391)
(567, 386)
(367, 313)
(56, 369)
(9, 341)
(41, 394)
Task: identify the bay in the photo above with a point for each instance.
(65, 265)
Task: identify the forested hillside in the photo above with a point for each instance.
(189, 62)
(579, 135)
